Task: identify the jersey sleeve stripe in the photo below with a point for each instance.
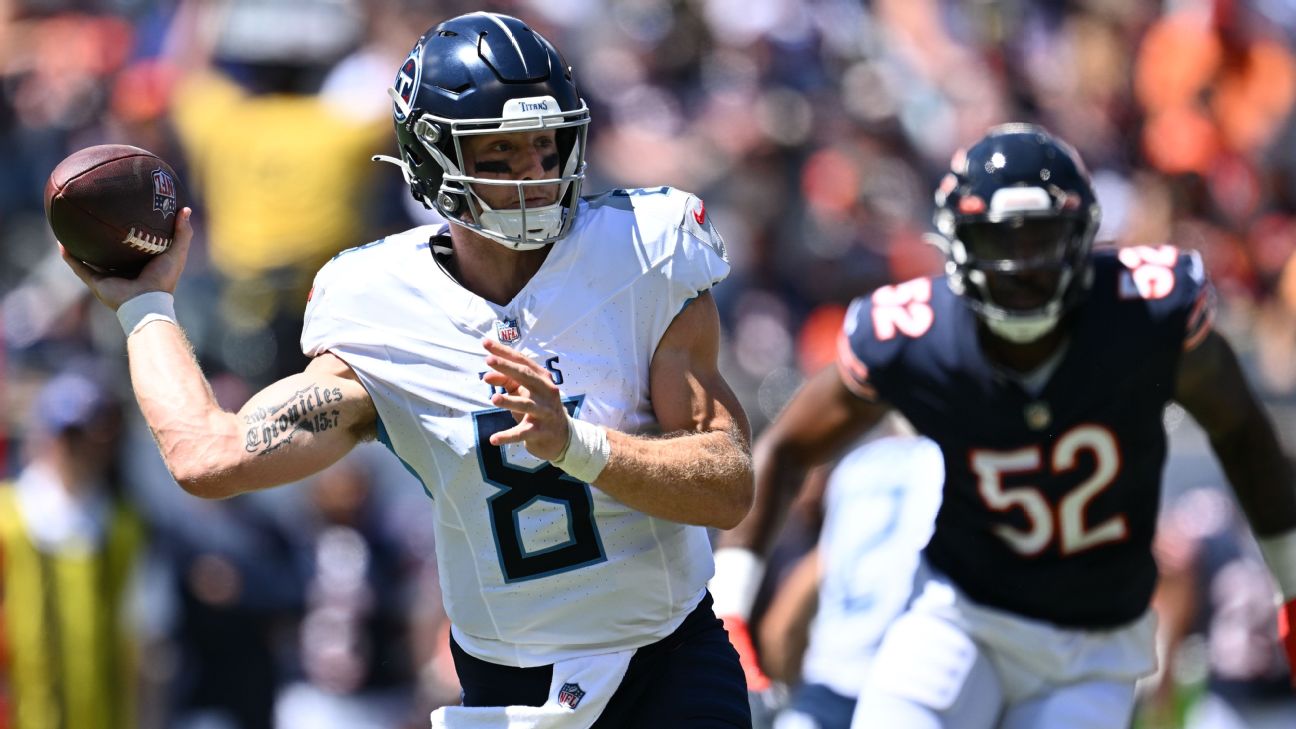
(1201, 319)
(854, 373)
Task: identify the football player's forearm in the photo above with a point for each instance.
(191, 429)
(697, 478)
(1259, 473)
(777, 477)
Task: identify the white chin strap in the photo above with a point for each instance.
(1021, 329)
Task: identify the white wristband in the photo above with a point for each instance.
(738, 574)
(1280, 554)
(587, 450)
(148, 307)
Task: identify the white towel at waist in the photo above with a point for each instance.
(578, 693)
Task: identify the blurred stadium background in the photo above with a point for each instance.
(815, 130)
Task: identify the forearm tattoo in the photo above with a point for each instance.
(271, 428)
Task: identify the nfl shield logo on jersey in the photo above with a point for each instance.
(507, 331)
(164, 192)
(570, 695)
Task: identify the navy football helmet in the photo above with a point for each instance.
(1018, 217)
(486, 73)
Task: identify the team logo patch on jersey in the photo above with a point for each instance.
(696, 222)
(570, 695)
(507, 331)
(164, 192)
(407, 80)
(1038, 415)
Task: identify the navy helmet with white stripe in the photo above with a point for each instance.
(483, 73)
(1018, 216)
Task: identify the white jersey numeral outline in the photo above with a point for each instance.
(1069, 526)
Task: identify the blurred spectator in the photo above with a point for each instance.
(236, 593)
(283, 175)
(1213, 81)
(1222, 666)
(70, 547)
(357, 645)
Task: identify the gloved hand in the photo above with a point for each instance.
(740, 637)
(1286, 632)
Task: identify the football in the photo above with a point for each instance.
(113, 207)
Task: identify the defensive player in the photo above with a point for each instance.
(879, 507)
(1041, 367)
(545, 364)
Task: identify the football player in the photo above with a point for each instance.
(544, 363)
(1042, 368)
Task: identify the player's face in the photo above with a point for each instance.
(515, 156)
(1022, 260)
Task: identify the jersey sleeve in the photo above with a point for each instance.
(878, 329)
(1175, 287)
(319, 327)
(1201, 315)
(699, 260)
(853, 349)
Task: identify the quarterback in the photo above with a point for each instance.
(543, 362)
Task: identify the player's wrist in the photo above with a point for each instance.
(1280, 555)
(143, 309)
(738, 574)
(587, 451)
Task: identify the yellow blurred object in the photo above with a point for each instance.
(70, 658)
(284, 177)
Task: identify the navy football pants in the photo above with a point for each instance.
(690, 679)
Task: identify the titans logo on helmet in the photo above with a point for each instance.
(407, 79)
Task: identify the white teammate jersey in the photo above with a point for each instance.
(535, 566)
(880, 507)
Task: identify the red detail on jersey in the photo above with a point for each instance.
(700, 214)
(972, 205)
(905, 308)
(1201, 319)
(1151, 271)
(310, 293)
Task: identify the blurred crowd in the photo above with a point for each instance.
(815, 130)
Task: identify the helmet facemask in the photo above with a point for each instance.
(479, 74)
(442, 139)
(1024, 263)
(1017, 217)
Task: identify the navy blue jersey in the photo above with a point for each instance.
(1050, 500)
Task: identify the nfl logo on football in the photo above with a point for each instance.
(507, 331)
(570, 695)
(164, 192)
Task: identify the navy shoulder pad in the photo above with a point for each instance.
(880, 326)
(1168, 285)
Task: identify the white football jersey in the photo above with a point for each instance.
(535, 566)
(880, 507)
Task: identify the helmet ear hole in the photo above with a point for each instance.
(413, 156)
